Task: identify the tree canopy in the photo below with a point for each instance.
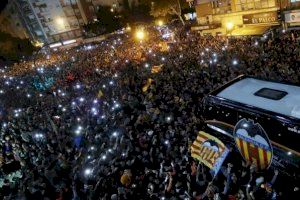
(162, 8)
(12, 49)
(108, 21)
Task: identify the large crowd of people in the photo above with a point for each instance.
(96, 122)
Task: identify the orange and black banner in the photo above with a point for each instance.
(156, 69)
(209, 150)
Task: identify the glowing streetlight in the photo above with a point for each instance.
(229, 25)
(60, 21)
(128, 28)
(160, 23)
(140, 34)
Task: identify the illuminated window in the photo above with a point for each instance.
(257, 5)
(250, 6)
(293, 1)
(264, 4)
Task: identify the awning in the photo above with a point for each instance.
(250, 30)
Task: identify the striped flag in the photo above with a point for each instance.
(209, 150)
(156, 69)
(147, 85)
(100, 94)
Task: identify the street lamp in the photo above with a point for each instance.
(128, 28)
(160, 23)
(60, 21)
(229, 26)
(140, 34)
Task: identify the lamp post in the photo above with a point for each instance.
(60, 21)
(229, 27)
(160, 22)
(140, 35)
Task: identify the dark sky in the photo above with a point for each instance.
(2, 4)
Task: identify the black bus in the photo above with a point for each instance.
(272, 108)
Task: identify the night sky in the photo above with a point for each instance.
(3, 4)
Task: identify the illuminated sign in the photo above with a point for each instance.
(58, 44)
(206, 27)
(69, 42)
(292, 17)
(260, 18)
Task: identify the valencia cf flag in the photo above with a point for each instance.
(156, 69)
(209, 150)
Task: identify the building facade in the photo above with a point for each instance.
(117, 5)
(292, 14)
(50, 21)
(237, 17)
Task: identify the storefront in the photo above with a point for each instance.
(242, 23)
(292, 19)
(235, 21)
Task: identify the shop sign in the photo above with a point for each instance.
(260, 18)
(292, 17)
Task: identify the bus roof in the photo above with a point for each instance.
(285, 100)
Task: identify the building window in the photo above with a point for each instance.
(293, 1)
(257, 5)
(264, 4)
(221, 6)
(39, 33)
(250, 6)
(77, 11)
(243, 5)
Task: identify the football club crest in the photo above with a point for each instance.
(253, 143)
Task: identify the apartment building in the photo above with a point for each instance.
(50, 21)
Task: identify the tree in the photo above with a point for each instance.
(108, 21)
(108, 18)
(126, 5)
(12, 49)
(162, 8)
(136, 11)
